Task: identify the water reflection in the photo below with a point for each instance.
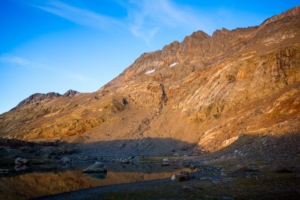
(101, 175)
(56, 179)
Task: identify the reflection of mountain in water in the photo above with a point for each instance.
(43, 182)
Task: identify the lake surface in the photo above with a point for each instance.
(40, 181)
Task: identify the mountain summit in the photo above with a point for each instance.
(233, 89)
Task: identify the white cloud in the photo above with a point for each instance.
(16, 60)
(146, 18)
(80, 16)
(21, 62)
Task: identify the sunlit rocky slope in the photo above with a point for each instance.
(199, 95)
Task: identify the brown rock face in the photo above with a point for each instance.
(201, 93)
(35, 98)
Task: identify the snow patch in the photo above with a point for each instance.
(150, 71)
(174, 64)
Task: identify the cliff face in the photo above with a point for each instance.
(199, 94)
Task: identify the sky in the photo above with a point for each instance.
(57, 45)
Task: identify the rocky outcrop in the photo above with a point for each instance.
(36, 98)
(39, 97)
(70, 93)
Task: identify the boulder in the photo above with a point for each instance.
(65, 160)
(165, 163)
(130, 158)
(21, 161)
(20, 167)
(124, 161)
(180, 177)
(185, 173)
(98, 167)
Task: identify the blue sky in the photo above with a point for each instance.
(57, 45)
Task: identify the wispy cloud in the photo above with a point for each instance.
(147, 18)
(80, 16)
(19, 61)
(78, 77)
(16, 60)
(144, 20)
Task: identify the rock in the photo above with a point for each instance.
(130, 158)
(38, 97)
(21, 161)
(124, 161)
(191, 188)
(164, 163)
(98, 167)
(180, 177)
(185, 173)
(70, 93)
(4, 171)
(65, 160)
(20, 167)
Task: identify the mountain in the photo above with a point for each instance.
(236, 89)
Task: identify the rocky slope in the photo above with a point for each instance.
(198, 95)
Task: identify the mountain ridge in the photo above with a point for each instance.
(37, 97)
